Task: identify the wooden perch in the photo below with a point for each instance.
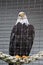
(14, 59)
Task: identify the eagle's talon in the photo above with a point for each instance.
(17, 56)
(24, 56)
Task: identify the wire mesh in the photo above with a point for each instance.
(9, 10)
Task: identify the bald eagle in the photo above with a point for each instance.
(22, 36)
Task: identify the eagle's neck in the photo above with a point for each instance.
(22, 21)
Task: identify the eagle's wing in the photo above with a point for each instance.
(11, 45)
(14, 38)
(31, 35)
(32, 30)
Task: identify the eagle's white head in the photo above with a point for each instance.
(22, 18)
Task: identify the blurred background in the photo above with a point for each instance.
(9, 10)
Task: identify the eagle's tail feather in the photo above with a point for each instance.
(11, 64)
(15, 64)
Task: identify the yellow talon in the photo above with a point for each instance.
(24, 56)
(17, 56)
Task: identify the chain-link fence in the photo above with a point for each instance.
(9, 10)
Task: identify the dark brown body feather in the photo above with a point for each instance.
(21, 40)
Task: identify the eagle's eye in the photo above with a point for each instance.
(19, 14)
